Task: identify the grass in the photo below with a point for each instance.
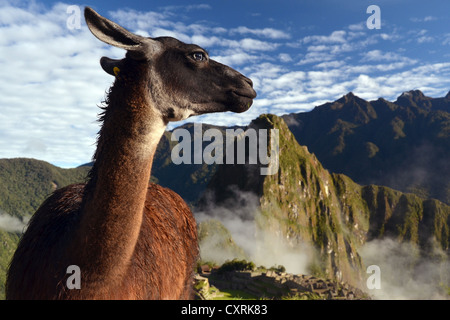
(231, 294)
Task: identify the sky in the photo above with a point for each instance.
(299, 54)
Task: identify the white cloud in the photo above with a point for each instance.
(390, 36)
(357, 26)
(257, 45)
(12, 224)
(52, 82)
(330, 65)
(424, 19)
(316, 57)
(378, 55)
(430, 18)
(236, 58)
(335, 37)
(265, 32)
(425, 39)
(202, 6)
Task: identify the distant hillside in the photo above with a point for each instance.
(403, 144)
(24, 185)
(306, 204)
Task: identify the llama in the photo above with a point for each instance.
(130, 239)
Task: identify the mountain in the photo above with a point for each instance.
(24, 184)
(306, 206)
(403, 144)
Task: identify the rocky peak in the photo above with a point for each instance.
(350, 97)
(413, 94)
(414, 98)
(352, 108)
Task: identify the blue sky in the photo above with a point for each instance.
(299, 54)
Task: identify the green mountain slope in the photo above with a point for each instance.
(8, 244)
(24, 184)
(306, 204)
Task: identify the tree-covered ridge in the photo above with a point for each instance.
(25, 183)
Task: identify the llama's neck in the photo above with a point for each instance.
(114, 201)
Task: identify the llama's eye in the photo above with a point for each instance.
(199, 56)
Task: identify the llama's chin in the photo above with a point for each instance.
(242, 104)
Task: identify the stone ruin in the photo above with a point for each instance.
(277, 285)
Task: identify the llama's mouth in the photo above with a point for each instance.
(244, 100)
(246, 93)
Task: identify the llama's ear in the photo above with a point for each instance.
(113, 34)
(111, 66)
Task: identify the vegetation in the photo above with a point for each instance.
(24, 184)
(230, 294)
(303, 296)
(8, 244)
(237, 265)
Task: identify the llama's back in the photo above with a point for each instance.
(161, 267)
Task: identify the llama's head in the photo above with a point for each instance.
(183, 80)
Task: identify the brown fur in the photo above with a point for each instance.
(53, 226)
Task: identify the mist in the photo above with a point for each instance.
(11, 224)
(405, 273)
(241, 217)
